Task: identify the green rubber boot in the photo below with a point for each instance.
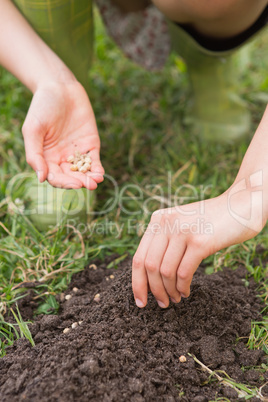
(217, 112)
(67, 27)
(46, 206)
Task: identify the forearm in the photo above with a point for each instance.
(23, 52)
(254, 167)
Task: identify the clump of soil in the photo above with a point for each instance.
(122, 353)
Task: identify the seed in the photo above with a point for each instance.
(112, 276)
(107, 278)
(93, 266)
(97, 297)
(182, 359)
(80, 322)
(66, 330)
(74, 325)
(75, 289)
(83, 169)
(70, 159)
(80, 162)
(68, 297)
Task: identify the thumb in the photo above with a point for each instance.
(33, 134)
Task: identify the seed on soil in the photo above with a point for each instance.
(68, 297)
(80, 322)
(66, 330)
(182, 359)
(93, 266)
(80, 162)
(107, 278)
(75, 289)
(97, 297)
(74, 325)
(86, 362)
(112, 276)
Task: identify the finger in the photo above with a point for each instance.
(96, 166)
(57, 178)
(189, 264)
(87, 181)
(139, 275)
(33, 141)
(97, 177)
(153, 262)
(169, 267)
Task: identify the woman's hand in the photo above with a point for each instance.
(178, 239)
(59, 122)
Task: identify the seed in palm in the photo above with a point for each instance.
(80, 162)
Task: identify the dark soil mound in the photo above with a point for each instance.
(121, 353)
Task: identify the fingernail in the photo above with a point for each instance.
(183, 295)
(173, 300)
(161, 304)
(139, 303)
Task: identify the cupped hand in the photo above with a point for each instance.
(59, 122)
(178, 239)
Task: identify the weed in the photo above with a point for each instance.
(23, 327)
(258, 338)
(242, 390)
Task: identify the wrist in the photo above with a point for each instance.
(57, 73)
(255, 181)
(247, 201)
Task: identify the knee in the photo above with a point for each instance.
(194, 11)
(208, 10)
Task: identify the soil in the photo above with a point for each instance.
(122, 353)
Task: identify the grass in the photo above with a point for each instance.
(10, 332)
(147, 153)
(23, 327)
(259, 335)
(242, 390)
